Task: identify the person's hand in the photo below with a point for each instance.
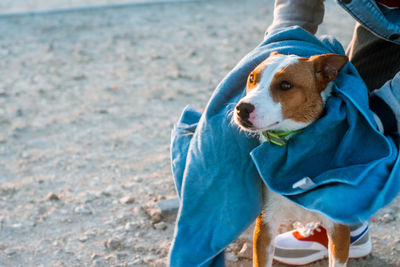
(307, 14)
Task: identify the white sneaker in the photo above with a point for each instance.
(303, 246)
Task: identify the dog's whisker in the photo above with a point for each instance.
(230, 108)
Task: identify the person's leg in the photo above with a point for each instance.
(376, 60)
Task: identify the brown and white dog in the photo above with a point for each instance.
(287, 93)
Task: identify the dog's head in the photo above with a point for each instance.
(287, 92)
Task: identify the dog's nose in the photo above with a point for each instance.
(243, 111)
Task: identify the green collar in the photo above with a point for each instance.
(279, 138)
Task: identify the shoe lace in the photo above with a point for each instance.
(308, 229)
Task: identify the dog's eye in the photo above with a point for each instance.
(285, 85)
(251, 78)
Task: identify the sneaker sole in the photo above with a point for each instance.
(303, 260)
(356, 252)
(361, 251)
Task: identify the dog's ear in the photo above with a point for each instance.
(327, 67)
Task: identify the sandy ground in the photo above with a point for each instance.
(87, 103)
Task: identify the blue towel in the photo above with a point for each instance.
(352, 169)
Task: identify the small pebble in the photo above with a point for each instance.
(160, 226)
(160, 262)
(82, 210)
(91, 233)
(66, 220)
(246, 252)
(136, 262)
(169, 206)
(31, 223)
(40, 144)
(121, 256)
(110, 190)
(120, 230)
(131, 227)
(10, 251)
(387, 218)
(95, 256)
(52, 197)
(110, 258)
(113, 243)
(89, 197)
(110, 223)
(127, 200)
(83, 238)
(78, 77)
(98, 262)
(15, 227)
(154, 215)
(2, 139)
(150, 258)
(231, 257)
